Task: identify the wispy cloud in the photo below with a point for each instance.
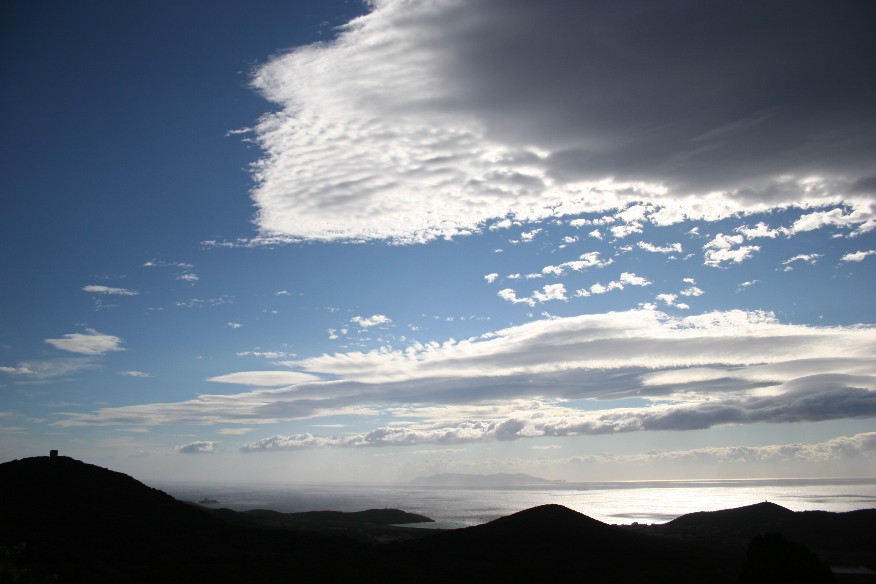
(45, 369)
(586, 260)
(671, 248)
(265, 378)
(98, 289)
(200, 447)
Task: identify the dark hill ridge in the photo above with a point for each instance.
(839, 538)
(66, 521)
(63, 491)
(553, 542)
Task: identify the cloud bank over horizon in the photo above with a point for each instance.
(639, 370)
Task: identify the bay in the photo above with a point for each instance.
(610, 502)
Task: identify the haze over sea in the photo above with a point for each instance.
(610, 502)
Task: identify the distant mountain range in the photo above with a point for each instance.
(478, 480)
(63, 521)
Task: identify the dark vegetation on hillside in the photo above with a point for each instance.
(62, 520)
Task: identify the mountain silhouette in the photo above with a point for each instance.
(62, 520)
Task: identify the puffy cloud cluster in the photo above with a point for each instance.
(547, 293)
(434, 118)
(370, 321)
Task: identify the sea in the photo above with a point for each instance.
(610, 502)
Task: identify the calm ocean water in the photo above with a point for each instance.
(621, 502)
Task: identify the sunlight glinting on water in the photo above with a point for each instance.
(608, 502)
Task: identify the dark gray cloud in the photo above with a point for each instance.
(702, 95)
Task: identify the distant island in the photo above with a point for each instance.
(479, 480)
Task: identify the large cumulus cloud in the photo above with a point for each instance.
(429, 118)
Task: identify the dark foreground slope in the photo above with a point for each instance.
(67, 521)
(62, 520)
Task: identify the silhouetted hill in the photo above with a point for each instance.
(758, 517)
(554, 542)
(61, 491)
(67, 521)
(838, 538)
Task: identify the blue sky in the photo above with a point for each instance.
(346, 241)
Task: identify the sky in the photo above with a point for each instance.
(346, 241)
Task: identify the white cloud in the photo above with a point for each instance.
(548, 292)
(668, 299)
(234, 325)
(633, 280)
(373, 320)
(282, 293)
(407, 126)
(837, 217)
(188, 277)
(809, 258)
(761, 230)
(490, 278)
(589, 259)
(858, 256)
(671, 248)
(721, 250)
(139, 374)
(621, 231)
(692, 291)
(596, 234)
(200, 447)
(528, 236)
(626, 278)
(90, 342)
(265, 378)
(98, 289)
